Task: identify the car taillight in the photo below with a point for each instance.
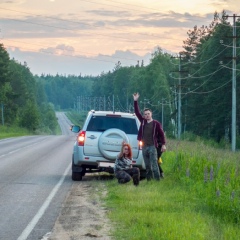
(81, 138)
(140, 143)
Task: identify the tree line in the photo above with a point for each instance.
(204, 68)
(23, 99)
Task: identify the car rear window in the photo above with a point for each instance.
(102, 123)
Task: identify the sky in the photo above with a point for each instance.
(89, 37)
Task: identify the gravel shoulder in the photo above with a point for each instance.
(83, 215)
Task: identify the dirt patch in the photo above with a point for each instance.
(82, 215)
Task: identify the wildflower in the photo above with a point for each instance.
(232, 194)
(211, 173)
(218, 193)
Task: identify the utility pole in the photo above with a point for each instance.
(179, 99)
(113, 104)
(179, 96)
(127, 101)
(234, 87)
(234, 57)
(104, 103)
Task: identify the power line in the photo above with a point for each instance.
(77, 22)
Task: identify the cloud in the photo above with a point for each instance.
(56, 26)
(169, 20)
(109, 13)
(60, 49)
(89, 38)
(50, 61)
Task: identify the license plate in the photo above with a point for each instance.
(106, 164)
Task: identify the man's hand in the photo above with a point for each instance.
(163, 149)
(136, 96)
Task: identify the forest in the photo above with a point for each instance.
(191, 91)
(23, 99)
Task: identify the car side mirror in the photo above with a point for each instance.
(76, 129)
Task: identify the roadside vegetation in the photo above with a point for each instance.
(7, 132)
(23, 101)
(198, 199)
(76, 118)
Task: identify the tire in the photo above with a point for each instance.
(110, 142)
(76, 176)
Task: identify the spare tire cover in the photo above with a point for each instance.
(110, 142)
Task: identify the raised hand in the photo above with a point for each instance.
(136, 96)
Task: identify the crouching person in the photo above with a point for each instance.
(123, 169)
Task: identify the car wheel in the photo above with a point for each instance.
(76, 176)
(110, 142)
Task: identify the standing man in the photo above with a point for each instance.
(149, 133)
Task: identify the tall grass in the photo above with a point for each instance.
(76, 118)
(212, 173)
(198, 199)
(13, 131)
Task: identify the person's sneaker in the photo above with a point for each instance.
(121, 181)
(136, 179)
(162, 175)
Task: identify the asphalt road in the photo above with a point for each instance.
(34, 181)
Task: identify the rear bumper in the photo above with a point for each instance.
(85, 163)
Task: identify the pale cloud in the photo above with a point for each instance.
(60, 49)
(47, 62)
(81, 33)
(109, 13)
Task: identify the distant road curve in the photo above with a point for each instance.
(64, 123)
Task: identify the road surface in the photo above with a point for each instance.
(34, 182)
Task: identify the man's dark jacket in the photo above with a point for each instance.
(158, 133)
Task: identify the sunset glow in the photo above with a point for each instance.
(89, 29)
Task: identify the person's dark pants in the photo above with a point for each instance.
(160, 169)
(151, 163)
(125, 176)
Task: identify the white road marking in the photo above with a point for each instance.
(43, 208)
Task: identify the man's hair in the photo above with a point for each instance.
(147, 109)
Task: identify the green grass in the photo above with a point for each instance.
(76, 118)
(14, 131)
(186, 204)
(7, 132)
(162, 210)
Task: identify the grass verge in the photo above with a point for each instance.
(13, 131)
(162, 210)
(194, 201)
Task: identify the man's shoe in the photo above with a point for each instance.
(136, 179)
(162, 175)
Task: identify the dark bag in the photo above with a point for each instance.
(159, 151)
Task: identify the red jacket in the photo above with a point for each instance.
(158, 133)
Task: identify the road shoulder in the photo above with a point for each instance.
(82, 215)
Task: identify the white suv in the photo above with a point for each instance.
(100, 140)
